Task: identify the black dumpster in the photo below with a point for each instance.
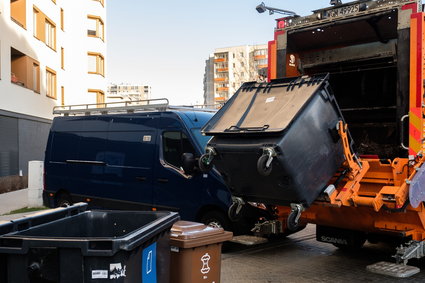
(277, 142)
(74, 245)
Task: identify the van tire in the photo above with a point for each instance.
(64, 200)
(217, 219)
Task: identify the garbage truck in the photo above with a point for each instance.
(336, 135)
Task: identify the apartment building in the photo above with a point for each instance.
(127, 92)
(52, 52)
(232, 67)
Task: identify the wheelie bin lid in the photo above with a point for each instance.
(265, 107)
(186, 234)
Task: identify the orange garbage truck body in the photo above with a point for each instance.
(375, 54)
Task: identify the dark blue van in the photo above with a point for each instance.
(139, 160)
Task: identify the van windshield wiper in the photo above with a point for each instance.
(247, 129)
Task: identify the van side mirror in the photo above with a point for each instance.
(188, 163)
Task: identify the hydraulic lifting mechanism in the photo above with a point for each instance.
(374, 52)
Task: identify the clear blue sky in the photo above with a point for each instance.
(165, 43)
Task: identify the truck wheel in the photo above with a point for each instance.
(64, 200)
(205, 168)
(262, 169)
(216, 219)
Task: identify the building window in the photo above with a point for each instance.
(62, 19)
(96, 63)
(101, 2)
(62, 95)
(50, 83)
(44, 28)
(35, 19)
(95, 27)
(36, 77)
(18, 12)
(50, 31)
(100, 96)
(62, 58)
(25, 71)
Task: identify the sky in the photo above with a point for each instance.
(165, 43)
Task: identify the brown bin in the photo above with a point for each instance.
(196, 252)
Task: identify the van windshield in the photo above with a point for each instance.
(200, 139)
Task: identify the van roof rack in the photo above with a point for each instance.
(148, 105)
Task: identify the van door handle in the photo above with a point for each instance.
(163, 180)
(141, 179)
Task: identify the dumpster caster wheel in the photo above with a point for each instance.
(234, 212)
(262, 169)
(204, 163)
(293, 218)
(264, 163)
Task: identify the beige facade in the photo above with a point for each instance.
(46, 50)
(234, 66)
(46, 59)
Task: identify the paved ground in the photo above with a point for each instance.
(297, 258)
(13, 200)
(300, 258)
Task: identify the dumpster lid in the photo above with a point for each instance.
(185, 230)
(264, 107)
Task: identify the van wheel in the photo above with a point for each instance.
(216, 219)
(64, 200)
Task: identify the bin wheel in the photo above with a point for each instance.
(216, 219)
(203, 165)
(262, 169)
(292, 223)
(64, 200)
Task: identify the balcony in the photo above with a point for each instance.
(220, 70)
(222, 89)
(219, 60)
(260, 57)
(220, 79)
(219, 99)
(262, 66)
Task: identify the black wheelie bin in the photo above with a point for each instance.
(75, 245)
(277, 142)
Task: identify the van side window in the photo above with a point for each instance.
(174, 145)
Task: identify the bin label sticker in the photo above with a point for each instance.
(270, 99)
(99, 274)
(116, 270)
(205, 259)
(149, 264)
